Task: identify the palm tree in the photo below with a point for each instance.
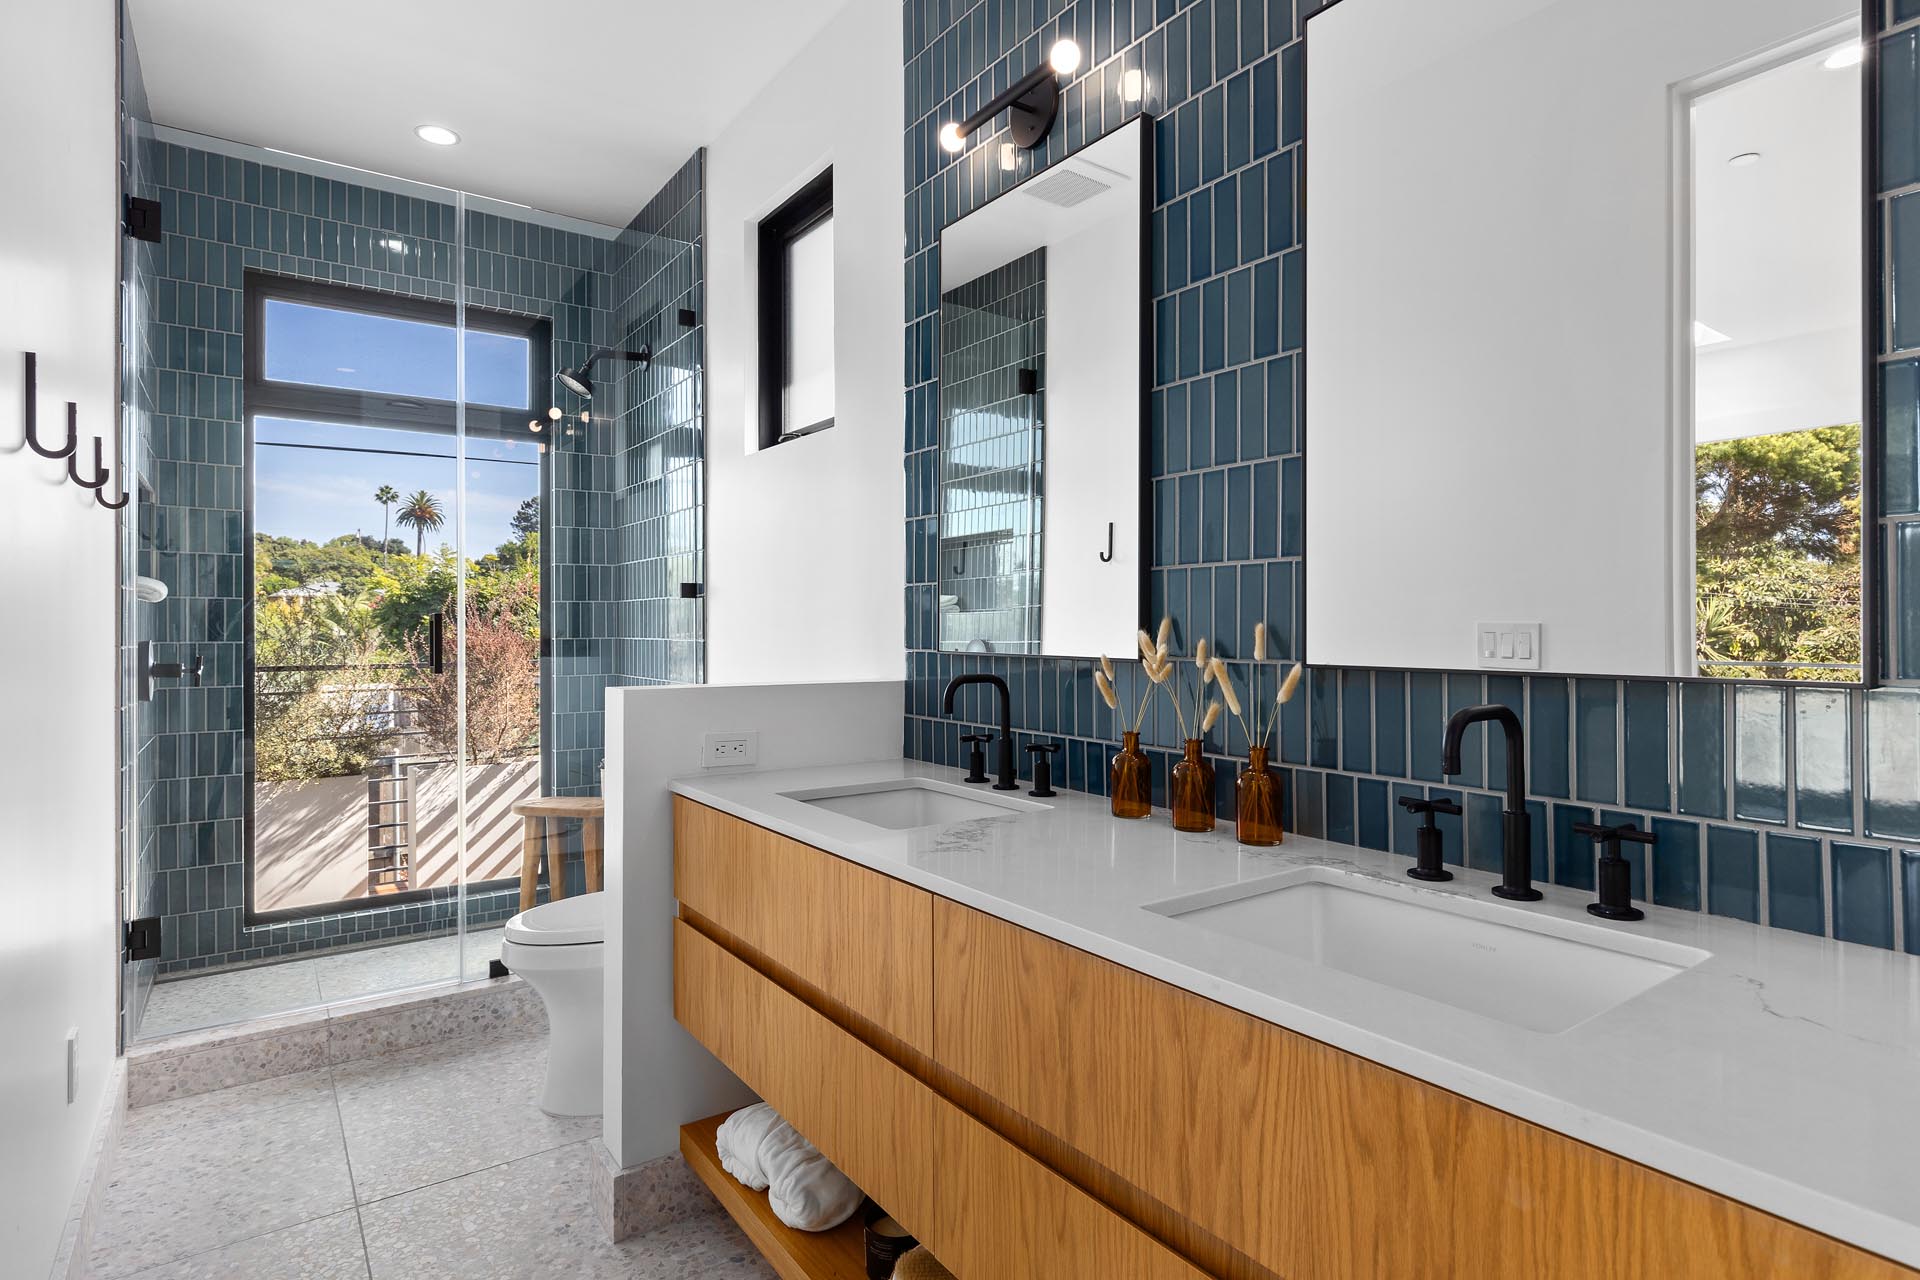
(421, 514)
(386, 495)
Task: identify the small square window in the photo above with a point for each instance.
(796, 315)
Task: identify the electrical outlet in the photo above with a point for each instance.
(730, 749)
(1507, 646)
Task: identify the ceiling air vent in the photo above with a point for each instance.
(1066, 188)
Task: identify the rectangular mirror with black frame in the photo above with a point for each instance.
(1589, 318)
(1043, 328)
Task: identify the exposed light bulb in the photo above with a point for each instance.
(438, 134)
(533, 425)
(554, 413)
(1064, 57)
(951, 138)
(585, 416)
(1133, 85)
(1009, 157)
(1847, 55)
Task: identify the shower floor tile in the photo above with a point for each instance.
(288, 986)
(260, 1181)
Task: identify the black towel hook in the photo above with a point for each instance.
(33, 416)
(99, 468)
(1107, 555)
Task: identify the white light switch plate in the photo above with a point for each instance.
(1507, 646)
(730, 749)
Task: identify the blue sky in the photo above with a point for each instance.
(320, 493)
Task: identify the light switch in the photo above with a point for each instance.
(1509, 646)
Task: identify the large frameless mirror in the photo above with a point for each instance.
(1586, 352)
(1041, 409)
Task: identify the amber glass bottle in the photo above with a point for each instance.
(1191, 794)
(1258, 794)
(1131, 783)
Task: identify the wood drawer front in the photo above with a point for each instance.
(1315, 1162)
(1004, 1214)
(873, 1120)
(862, 938)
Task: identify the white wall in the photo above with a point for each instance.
(657, 1076)
(1093, 456)
(1488, 321)
(57, 662)
(805, 551)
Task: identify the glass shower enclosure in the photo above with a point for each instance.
(375, 538)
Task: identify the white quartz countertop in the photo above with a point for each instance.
(1782, 1071)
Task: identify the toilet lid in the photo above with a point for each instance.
(567, 922)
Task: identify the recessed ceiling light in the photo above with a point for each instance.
(438, 134)
(1705, 335)
(1744, 159)
(1847, 55)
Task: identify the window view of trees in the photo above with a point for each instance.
(340, 646)
(1777, 555)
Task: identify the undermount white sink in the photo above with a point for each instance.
(1528, 970)
(901, 804)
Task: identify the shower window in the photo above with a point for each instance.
(356, 483)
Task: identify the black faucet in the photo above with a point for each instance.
(1614, 875)
(1009, 777)
(1516, 829)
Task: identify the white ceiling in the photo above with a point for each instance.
(581, 107)
(1777, 264)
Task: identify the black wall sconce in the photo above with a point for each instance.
(70, 451)
(1034, 100)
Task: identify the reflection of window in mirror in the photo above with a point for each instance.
(1776, 342)
(796, 314)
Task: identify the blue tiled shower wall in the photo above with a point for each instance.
(1797, 808)
(224, 215)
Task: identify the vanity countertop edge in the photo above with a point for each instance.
(1779, 1072)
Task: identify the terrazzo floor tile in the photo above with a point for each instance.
(209, 1171)
(354, 975)
(324, 1249)
(211, 999)
(532, 1217)
(400, 1135)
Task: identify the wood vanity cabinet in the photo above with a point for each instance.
(1058, 1115)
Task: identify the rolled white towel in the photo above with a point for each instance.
(738, 1143)
(804, 1189)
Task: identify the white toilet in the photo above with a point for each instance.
(558, 948)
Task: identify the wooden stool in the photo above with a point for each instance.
(553, 811)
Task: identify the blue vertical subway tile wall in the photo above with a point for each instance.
(622, 523)
(1800, 810)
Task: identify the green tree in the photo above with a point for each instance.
(322, 704)
(386, 495)
(526, 520)
(421, 514)
(1777, 544)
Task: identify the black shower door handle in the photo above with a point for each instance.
(437, 643)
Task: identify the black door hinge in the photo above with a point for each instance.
(692, 590)
(143, 938)
(141, 218)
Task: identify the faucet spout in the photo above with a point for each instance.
(1009, 777)
(1516, 861)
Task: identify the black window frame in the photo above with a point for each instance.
(304, 402)
(806, 209)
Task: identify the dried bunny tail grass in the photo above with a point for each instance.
(1165, 637)
(1200, 654)
(1213, 718)
(1146, 646)
(1105, 687)
(1259, 642)
(1158, 671)
(1225, 681)
(1207, 673)
(1160, 656)
(1291, 683)
(1106, 663)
